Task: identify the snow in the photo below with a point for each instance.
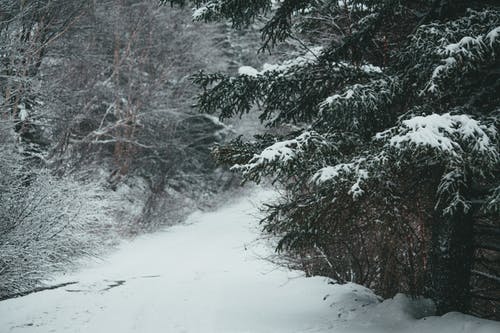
(331, 172)
(309, 57)
(451, 51)
(465, 43)
(207, 276)
(493, 35)
(198, 13)
(444, 132)
(283, 151)
(23, 113)
(356, 191)
(459, 54)
(365, 98)
(351, 5)
(331, 99)
(342, 171)
(447, 65)
(369, 68)
(275, 4)
(247, 70)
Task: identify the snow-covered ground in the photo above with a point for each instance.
(206, 276)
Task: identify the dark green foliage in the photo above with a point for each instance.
(398, 114)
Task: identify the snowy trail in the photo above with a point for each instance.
(206, 276)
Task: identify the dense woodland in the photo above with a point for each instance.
(98, 137)
(381, 133)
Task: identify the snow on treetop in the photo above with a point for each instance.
(443, 132)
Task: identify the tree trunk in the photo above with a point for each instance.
(451, 260)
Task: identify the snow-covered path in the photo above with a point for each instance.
(206, 276)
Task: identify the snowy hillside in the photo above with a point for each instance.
(208, 275)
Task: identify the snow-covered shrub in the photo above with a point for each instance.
(48, 222)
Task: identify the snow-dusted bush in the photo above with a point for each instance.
(48, 222)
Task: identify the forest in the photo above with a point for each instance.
(375, 124)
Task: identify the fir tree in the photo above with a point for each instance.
(396, 152)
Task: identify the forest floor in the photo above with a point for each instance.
(208, 275)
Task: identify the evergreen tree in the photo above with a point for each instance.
(395, 155)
